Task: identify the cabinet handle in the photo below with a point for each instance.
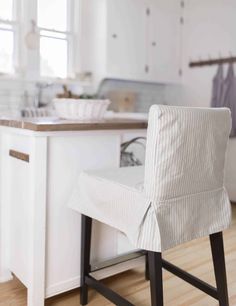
(114, 35)
(146, 68)
(154, 44)
(19, 155)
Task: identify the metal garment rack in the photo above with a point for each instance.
(210, 62)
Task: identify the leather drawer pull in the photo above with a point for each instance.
(19, 155)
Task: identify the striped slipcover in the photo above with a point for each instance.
(179, 195)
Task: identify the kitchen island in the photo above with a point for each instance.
(40, 162)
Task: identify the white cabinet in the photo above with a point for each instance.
(40, 235)
(131, 39)
(126, 38)
(164, 40)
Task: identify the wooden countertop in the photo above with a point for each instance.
(54, 124)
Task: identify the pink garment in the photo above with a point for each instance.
(217, 88)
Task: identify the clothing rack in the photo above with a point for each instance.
(210, 62)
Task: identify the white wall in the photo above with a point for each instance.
(209, 32)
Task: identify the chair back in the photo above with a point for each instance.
(185, 153)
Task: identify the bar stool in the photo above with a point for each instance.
(178, 196)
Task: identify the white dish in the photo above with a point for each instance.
(81, 109)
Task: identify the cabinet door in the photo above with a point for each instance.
(126, 30)
(164, 40)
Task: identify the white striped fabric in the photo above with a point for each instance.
(183, 196)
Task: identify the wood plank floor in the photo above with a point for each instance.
(195, 257)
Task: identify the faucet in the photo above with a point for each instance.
(38, 96)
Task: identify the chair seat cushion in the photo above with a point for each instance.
(131, 177)
(116, 197)
(112, 196)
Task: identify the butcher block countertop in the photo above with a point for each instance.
(55, 124)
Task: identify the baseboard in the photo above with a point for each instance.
(74, 283)
(63, 287)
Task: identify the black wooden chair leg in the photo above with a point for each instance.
(85, 257)
(155, 274)
(146, 268)
(154, 265)
(217, 249)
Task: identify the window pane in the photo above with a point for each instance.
(6, 9)
(52, 14)
(5, 26)
(53, 57)
(6, 52)
(53, 34)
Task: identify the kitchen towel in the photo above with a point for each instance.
(229, 96)
(217, 88)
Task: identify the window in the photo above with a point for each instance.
(54, 23)
(7, 36)
(56, 28)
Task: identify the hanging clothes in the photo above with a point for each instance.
(229, 96)
(217, 88)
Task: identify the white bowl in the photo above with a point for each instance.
(81, 109)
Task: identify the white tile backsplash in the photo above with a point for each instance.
(146, 93)
(15, 95)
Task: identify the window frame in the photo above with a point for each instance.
(26, 63)
(70, 38)
(15, 29)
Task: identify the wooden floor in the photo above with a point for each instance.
(195, 257)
